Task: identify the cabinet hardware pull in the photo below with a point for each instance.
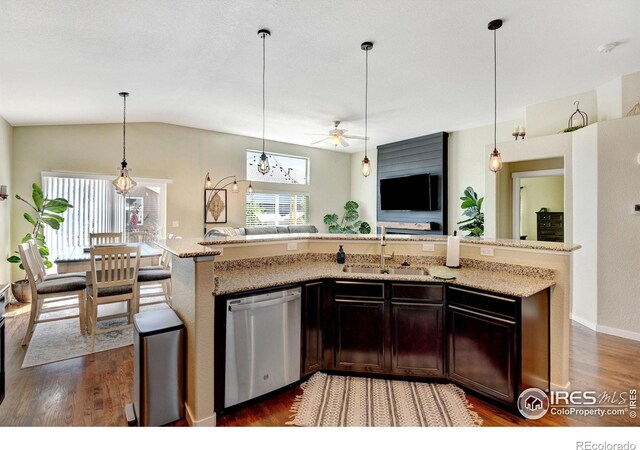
(510, 300)
(510, 322)
(344, 300)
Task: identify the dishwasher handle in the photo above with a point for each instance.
(264, 304)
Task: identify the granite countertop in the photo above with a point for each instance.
(187, 247)
(391, 238)
(245, 279)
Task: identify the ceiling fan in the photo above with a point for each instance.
(337, 136)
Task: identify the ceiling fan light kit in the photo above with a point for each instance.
(337, 136)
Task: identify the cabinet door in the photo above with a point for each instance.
(482, 352)
(312, 304)
(359, 335)
(417, 339)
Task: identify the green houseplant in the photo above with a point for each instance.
(472, 209)
(349, 223)
(45, 212)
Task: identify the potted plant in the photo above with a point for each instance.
(349, 223)
(472, 208)
(46, 212)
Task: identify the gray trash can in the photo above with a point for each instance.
(158, 367)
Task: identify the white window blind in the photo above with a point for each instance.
(96, 209)
(263, 208)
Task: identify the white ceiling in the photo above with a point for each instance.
(198, 63)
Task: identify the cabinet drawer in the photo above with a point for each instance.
(357, 289)
(427, 292)
(491, 303)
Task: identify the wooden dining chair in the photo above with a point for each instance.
(114, 279)
(155, 281)
(105, 238)
(51, 296)
(33, 247)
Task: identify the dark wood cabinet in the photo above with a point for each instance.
(391, 328)
(359, 332)
(550, 226)
(498, 345)
(312, 324)
(417, 338)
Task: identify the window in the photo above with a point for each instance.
(98, 209)
(285, 169)
(277, 209)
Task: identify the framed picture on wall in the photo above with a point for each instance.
(215, 206)
(134, 209)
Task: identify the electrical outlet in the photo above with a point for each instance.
(175, 224)
(292, 246)
(428, 248)
(486, 251)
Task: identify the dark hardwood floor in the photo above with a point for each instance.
(93, 390)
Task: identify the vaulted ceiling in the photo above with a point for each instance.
(198, 63)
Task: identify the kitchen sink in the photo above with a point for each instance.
(379, 270)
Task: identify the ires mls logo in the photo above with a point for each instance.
(533, 403)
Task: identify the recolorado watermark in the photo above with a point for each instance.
(534, 403)
(588, 445)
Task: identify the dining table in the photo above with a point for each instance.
(78, 259)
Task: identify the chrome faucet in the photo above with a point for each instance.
(383, 244)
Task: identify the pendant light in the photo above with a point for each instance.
(365, 168)
(124, 183)
(495, 161)
(263, 165)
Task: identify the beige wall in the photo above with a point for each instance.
(184, 155)
(618, 227)
(504, 188)
(551, 117)
(6, 134)
(540, 192)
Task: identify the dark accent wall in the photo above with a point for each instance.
(425, 154)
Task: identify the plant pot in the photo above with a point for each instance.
(21, 291)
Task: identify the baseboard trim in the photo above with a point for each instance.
(581, 321)
(618, 332)
(206, 422)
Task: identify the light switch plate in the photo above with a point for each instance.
(175, 224)
(486, 251)
(428, 248)
(292, 246)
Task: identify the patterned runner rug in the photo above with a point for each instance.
(342, 401)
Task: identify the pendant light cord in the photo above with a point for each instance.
(495, 91)
(124, 129)
(366, 100)
(264, 38)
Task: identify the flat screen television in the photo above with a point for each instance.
(409, 193)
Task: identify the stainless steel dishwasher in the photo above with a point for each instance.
(263, 344)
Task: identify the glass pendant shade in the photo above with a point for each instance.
(365, 168)
(207, 183)
(495, 161)
(124, 183)
(263, 165)
(234, 188)
(250, 189)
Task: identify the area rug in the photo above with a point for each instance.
(60, 340)
(342, 401)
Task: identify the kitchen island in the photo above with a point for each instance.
(248, 263)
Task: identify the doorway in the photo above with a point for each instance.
(538, 205)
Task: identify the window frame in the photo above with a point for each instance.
(284, 155)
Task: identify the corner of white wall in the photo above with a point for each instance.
(609, 98)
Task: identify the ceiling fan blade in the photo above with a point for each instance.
(316, 134)
(343, 142)
(348, 136)
(317, 142)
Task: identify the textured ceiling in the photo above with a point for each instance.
(198, 63)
